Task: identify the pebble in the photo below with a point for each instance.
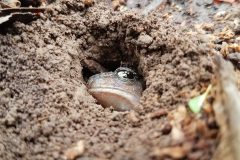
(103, 21)
(234, 56)
(145, 39)
(10, 120)
(220, 15)
(88, 2)
(75, 151)
(166, 129)
(115, 4)
(133, 117)
(116, 116)
(208, 2)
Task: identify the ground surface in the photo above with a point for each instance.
(44, 104)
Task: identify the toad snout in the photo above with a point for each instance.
(120, 89)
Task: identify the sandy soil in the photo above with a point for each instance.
(44, 104)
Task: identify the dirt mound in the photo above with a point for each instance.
(44, 103)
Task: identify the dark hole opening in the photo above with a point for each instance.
(128, 78)
(111, 66)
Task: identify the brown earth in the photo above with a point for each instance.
(44, 104)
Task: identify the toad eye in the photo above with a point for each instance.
(126, 74)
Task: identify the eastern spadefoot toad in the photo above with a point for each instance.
(120, 89)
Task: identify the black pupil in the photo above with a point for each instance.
(126, 74)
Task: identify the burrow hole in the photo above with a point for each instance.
(109, 58)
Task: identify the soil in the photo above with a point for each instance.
(45, 107)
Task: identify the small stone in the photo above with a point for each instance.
(220, 15)
(207, 2)
(176, 152)
(115, 4)
(55, 155)
(50, 47)
(133, 117)
(91, 39)
(17, 38)
(75, 151)
(88, 2)
(47, 129)
(116, 116)
(166, 129)
(2, 148)
(145, 39)
(103, 21)
(12, 3)
(177, 135)
(10, 120)
(234, 57)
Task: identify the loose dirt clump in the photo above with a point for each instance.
(44, 104)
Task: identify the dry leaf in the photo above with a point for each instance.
(235, 47)
(157, 114)
(178, 115)
(177, 152)
(228, 1)
(229, 48)
(226, 34)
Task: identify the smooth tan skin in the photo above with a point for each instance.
(112, 90)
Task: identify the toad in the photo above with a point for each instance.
(120, 89)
